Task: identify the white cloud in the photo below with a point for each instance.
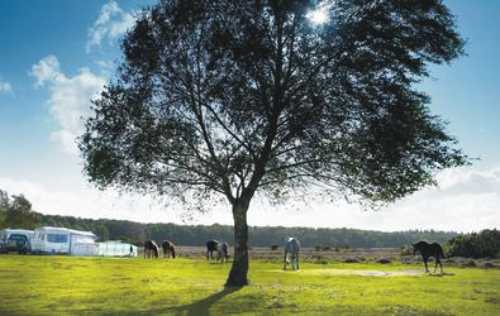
(111, 23)
(5, 87)
(47, 69)
(69, 99)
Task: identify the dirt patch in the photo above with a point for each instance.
(374, 273)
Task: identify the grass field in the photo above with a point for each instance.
(51, 285)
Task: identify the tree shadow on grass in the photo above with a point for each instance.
(198, 308)
(440, 275)
(202, 307)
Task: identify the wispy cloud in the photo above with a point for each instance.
(111, 23)
(69, 100)
(5, 87)
(47, 70)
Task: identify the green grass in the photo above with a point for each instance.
(39, 285)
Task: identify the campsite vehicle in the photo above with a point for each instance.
(58, 240)
(15, 240)
(116, 248)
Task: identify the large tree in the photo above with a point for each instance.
(236, 98)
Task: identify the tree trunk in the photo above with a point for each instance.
(239, 269)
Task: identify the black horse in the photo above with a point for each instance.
(212, 246)
(429, 250)
(151, 249)
(168, 249)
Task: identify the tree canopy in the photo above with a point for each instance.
(232, 98)
(16, 212)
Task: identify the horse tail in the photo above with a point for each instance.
(440, 252)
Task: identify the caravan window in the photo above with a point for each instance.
(57, 238)
(18, 237)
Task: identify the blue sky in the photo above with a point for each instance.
(55, 55)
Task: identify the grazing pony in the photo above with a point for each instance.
(212, 246)
(168, 249)
(292, 249)
(429, 250)
(222, 252)
(151, 249)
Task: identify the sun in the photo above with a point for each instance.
(319, 15)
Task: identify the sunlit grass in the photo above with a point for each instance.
(33, 285)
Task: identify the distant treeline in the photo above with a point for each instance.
(15, 212)
(197, 235)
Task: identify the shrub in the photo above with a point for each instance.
(383, 260)
(475, 245)
(469, 264)
(406, 251)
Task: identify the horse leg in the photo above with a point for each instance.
(436, 265)
(440, 265)
(298, 261)
(284, 262)
(426, 267)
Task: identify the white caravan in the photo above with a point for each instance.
(116, 248)
(58, 240)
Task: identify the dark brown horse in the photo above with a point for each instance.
(151, 249)
(168, 249)
(429, 250)
(211, 248)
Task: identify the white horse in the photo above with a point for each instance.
(292, 249)
(222, 252)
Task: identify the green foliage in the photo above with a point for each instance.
(4, 205)
(476, 245)
(406, 251)
(16, 212)
(52, 285)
